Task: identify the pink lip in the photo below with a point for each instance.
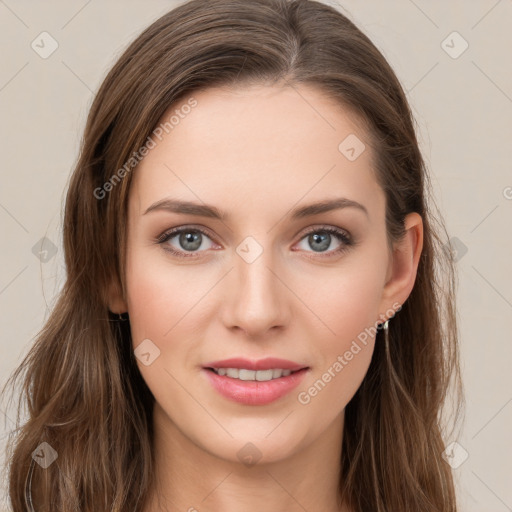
(254, 392)
(263, 364)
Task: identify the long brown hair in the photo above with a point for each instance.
(86, 398)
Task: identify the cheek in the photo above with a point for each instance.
(344, 351)
(346, 302)
(347, 306)
(146, 300)
(161, 296)
(328, 391)
(165, 307)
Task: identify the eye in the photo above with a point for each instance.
(189, 240)
(320, 239)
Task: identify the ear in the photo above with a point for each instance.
(116, 302)
(403, 265)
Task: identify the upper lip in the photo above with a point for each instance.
(261, 364)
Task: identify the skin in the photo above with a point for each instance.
(256, 153)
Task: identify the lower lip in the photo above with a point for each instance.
(255, 392)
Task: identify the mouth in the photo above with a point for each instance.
(254, 382)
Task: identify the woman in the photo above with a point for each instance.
(258, 310)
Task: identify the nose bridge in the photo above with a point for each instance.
(257, 298)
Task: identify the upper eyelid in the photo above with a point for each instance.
(327, 227)
(189, 227)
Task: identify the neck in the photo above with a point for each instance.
(189, 478)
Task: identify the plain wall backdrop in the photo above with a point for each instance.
(453, 59)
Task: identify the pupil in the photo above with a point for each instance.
(190, 241)
(324, 239)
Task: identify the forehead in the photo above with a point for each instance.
(257, 145)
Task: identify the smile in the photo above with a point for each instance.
(245, 388)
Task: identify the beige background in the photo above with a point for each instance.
(463, 107)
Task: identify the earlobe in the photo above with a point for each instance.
(115, 299)
(404, 264)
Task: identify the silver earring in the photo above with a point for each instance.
(385, 327)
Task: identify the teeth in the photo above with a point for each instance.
(232, 372)
(260, 375)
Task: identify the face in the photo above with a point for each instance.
(268, 279)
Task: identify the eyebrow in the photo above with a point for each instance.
(205, 210)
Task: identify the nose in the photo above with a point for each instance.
(257, 299)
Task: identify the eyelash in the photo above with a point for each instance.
(346, 240)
